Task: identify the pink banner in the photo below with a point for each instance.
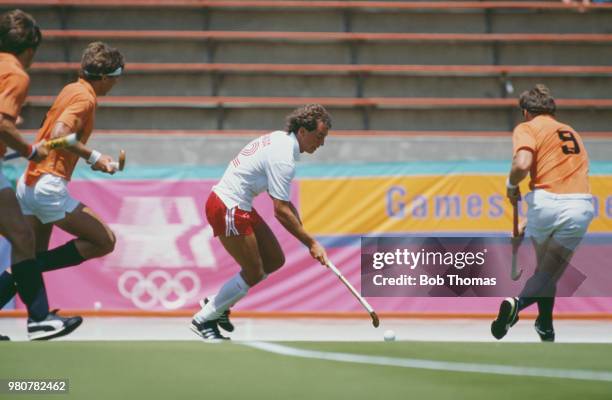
(166, 259)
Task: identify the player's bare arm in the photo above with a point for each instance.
(10, 135)
(286, 213)
(521, 164)
(103, 162)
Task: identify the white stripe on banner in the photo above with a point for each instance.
(435, 365)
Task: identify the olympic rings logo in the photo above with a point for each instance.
(159, 287)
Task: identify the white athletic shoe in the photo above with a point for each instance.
(52, 327)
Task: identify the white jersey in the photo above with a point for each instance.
(266, 163)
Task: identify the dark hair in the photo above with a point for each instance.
(538, 101)
(308, 117)
(18, 32)
(99, 59)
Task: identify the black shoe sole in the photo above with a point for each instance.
(195, 330)
(66, 331)
(499, 327)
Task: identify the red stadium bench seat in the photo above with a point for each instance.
(337, 102)
(302, 4)
(451, 70)
(327, 36)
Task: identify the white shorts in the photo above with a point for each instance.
(564, 217)
(48, 199)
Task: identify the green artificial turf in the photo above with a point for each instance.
(197, 370)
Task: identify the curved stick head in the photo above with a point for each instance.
(375, 320)
(121, 160)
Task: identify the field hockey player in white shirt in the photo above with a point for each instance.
(265, 164)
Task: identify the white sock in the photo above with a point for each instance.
(232, 291)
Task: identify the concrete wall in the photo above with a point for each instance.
(220, 149)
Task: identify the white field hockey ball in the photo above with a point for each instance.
(389, 335)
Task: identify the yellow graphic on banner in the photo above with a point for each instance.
(446, 203)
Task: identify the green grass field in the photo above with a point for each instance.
(197, 370)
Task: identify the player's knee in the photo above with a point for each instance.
(253, 276)
(280, 261)
(275, 263)
(107, 245)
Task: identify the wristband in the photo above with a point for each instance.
(94, 157)
(32, 150)
(509, 185)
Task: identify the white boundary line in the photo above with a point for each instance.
(496, 369)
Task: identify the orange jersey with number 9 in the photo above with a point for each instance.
(560, 160)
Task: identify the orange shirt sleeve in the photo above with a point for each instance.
(76, 114)
(14, 94)
(523, 138)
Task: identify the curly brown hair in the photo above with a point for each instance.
(538, 101)
(98, 60)
(18, 32)
(307, 117)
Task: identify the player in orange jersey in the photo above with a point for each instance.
(19, 39)
(42, 190)
(560, 204)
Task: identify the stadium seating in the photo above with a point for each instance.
(380, 66)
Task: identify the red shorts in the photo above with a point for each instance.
(229, 222)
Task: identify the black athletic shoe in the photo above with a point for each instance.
(5, 338)
(506, 318)
(53, 326)
(208, 331)
(547, 334)
(223, 320)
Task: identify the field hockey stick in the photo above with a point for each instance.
(64, 141)
(364, 303)
(515, 273)
(119, 165)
